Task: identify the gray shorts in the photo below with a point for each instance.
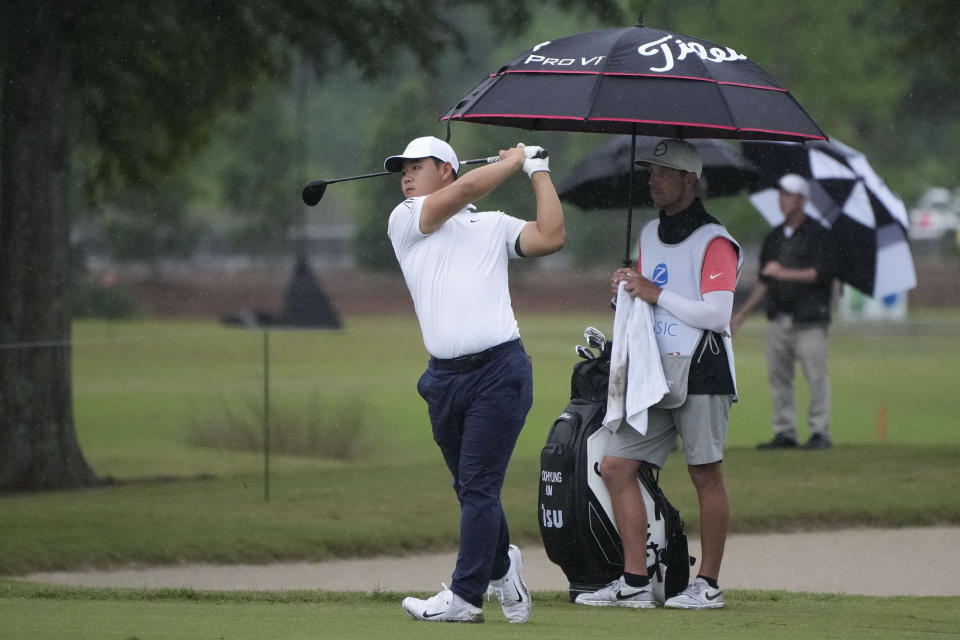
(701, 422)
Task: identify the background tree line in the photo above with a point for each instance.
(869, 73)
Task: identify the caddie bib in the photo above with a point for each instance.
(677, 268)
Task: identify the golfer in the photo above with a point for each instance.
(478, 383)
(688, 270)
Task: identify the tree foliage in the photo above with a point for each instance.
(879, 76)
(852, 65)
(131, 89)
(867, 72)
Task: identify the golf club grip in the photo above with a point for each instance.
(491, 159)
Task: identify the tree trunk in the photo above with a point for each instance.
(38, 444)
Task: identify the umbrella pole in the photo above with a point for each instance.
(633, 159)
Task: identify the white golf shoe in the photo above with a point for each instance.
(699, 595)
(512, 591)
(441, 608)
(619, 594)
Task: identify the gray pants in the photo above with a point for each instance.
(701, 422)
(809, 345)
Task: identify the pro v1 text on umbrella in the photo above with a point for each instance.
(313, 192)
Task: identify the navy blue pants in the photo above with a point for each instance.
(477, 415)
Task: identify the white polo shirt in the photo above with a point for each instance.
(457, 276)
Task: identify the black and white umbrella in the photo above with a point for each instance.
(868, 221)
(602, 180)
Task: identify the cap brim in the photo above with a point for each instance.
(394, 164)
(668, 166)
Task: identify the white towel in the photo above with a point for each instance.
(636, 375)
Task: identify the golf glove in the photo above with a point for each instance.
(533, 164)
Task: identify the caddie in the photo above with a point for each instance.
(688, 269)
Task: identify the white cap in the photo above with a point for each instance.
(675, 154)
(425, 147)
(796, 184)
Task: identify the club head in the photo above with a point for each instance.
(593, 331)
(595, 338)
(313, 192)
(584, 353)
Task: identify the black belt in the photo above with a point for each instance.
(474, 360)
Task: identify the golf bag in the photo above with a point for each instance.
(576, 518)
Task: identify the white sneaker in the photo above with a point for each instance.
(619, 594)
(511, 590)
(441, 608)
(699, 595)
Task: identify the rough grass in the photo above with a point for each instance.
(325, 428)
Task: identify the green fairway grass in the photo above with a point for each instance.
(139, 385)
(40, 613)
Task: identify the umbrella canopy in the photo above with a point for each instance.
(637, 80)
(868, 221)
(602, 179)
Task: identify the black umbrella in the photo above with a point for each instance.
(867, 220)
(637, 80)
(602, 179)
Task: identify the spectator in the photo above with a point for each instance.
(796, 281)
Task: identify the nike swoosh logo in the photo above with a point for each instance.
(431, 615)
(714, 596)
(477, 220)
(620, 596)
(716, 275)
(519, 595)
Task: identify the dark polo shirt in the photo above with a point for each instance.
(809, 246)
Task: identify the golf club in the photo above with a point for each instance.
(595, 338)
(313, 192)
(584, 353)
